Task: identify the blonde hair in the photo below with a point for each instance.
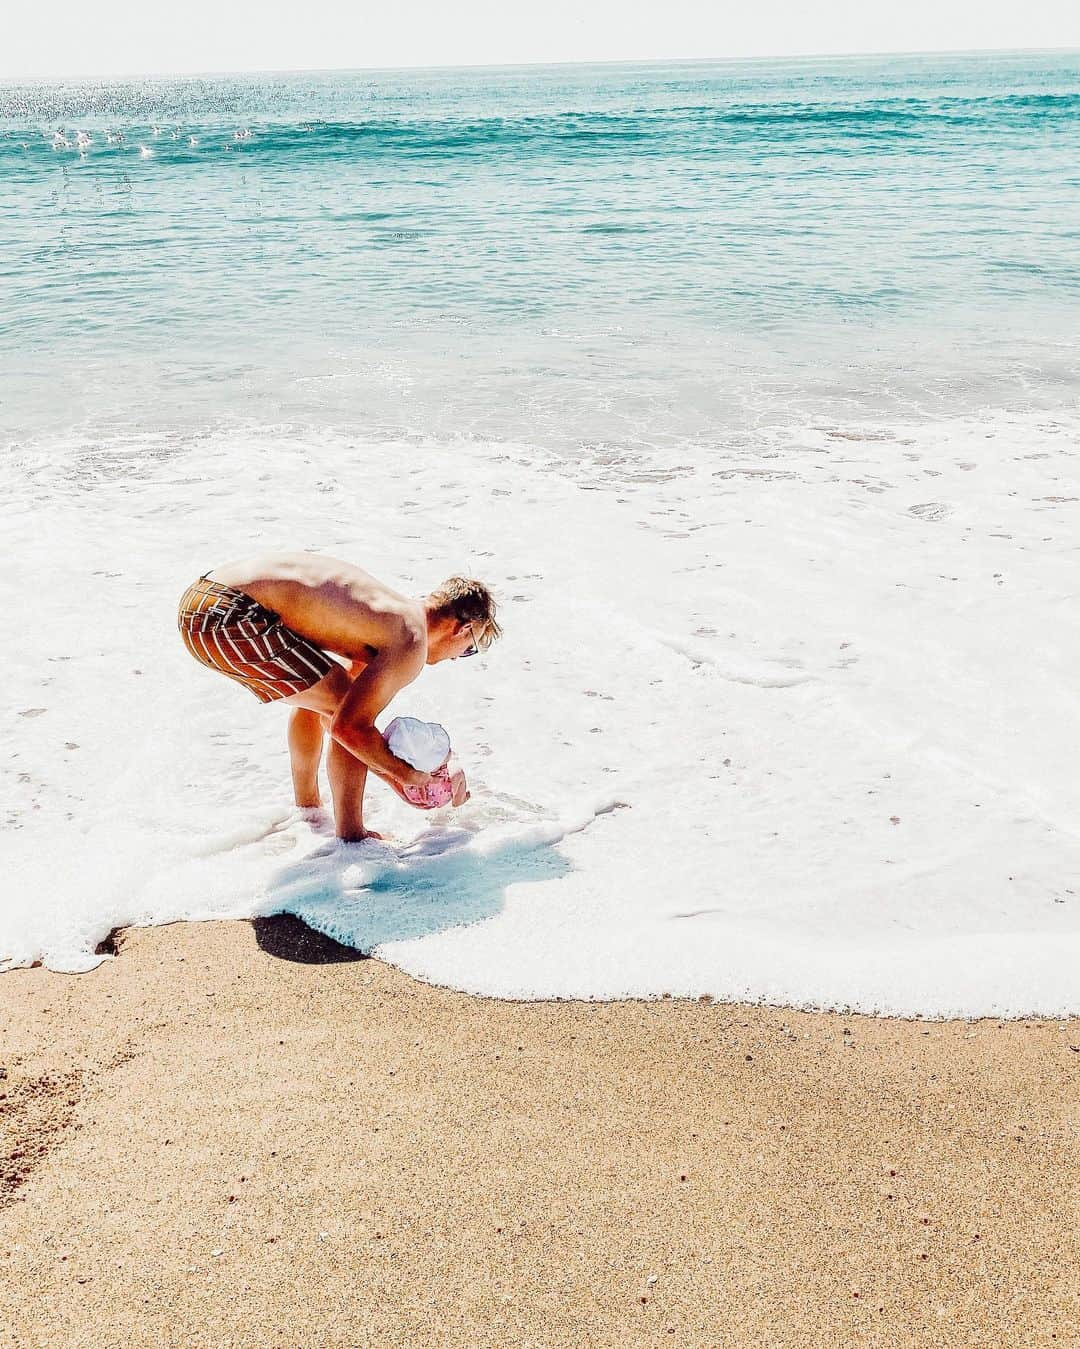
(469, 602)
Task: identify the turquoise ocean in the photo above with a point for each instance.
(752, 388)
(575, 253)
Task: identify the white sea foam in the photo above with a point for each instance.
(797, 725)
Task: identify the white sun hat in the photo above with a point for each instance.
(424, 744)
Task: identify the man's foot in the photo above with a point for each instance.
(361, 835)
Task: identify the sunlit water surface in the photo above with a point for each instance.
(751, 388)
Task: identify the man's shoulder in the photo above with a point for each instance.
(407, 630)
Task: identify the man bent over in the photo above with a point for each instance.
(276, 624)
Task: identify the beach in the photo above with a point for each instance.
(750, 389)
(244, 1134)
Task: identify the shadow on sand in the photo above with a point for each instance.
(285, 936)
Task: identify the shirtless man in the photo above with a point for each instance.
(269, 622)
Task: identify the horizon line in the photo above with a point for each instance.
(541, 65)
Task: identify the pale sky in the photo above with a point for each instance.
(133, 37)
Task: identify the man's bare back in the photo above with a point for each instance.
(334, 604)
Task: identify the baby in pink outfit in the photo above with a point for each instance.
(426, 746)
(446, 788)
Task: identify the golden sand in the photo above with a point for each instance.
(240, 1134)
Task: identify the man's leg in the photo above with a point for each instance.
(348, 778)
(305, 753)
(347, 773)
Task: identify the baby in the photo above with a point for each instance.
(426, 745)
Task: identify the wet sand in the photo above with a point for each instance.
(239, 1134)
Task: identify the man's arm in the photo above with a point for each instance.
(353, 725)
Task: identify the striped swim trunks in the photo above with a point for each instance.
(236, 635)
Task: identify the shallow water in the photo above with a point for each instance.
(752, 390)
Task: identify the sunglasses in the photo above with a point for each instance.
(470, 650)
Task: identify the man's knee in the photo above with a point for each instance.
(303, 717)
(324, 697)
